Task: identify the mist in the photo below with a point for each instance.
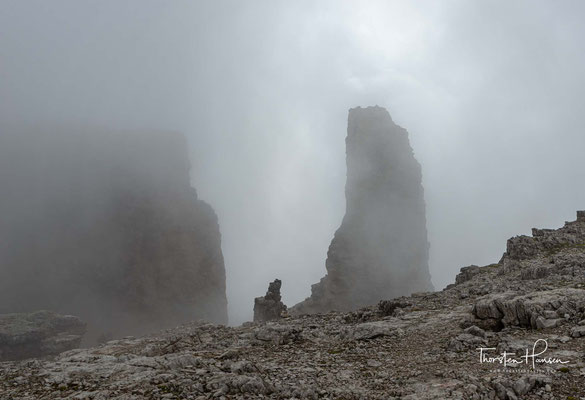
(489, 92)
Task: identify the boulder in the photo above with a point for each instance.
(38, 334)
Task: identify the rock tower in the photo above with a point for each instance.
(380, 251)
(269, 307)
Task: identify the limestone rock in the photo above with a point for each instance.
(380, 251)
(269, 307)
(388, 307)
(547, 241)
(538, 272)
(106, 226)
(277, 333)
(536, 310)
(38, 334)
(372, 330)
(578, 331)
(465, 341)
(466, 274)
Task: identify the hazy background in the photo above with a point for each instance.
(491, 93)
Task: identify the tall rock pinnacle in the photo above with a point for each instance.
(380, 250)
(106, 226)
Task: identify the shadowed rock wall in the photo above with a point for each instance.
(106, 226)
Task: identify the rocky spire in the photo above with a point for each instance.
(269, 307)
(380, 250)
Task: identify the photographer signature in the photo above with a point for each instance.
(533, 357)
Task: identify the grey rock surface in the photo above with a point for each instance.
(466, 274)
(38, 334)
(536, 310)
(380, 250)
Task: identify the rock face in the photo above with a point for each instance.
(106, 226)
(269, 307)
(424, 346)
(380, 250)
(536, 310)
(38, 334)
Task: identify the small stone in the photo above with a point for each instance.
(229, 354)
(564, 339)
(578, 331)
(475, 331)
(542, 323)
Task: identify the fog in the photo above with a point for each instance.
(490, 93)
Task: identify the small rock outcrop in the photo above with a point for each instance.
(466, 274)
(269, 307)
(380, 250)
(106, 226)
(38, 334)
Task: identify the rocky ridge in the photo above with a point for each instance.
(423, 346)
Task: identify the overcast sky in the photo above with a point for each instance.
(490, 92)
